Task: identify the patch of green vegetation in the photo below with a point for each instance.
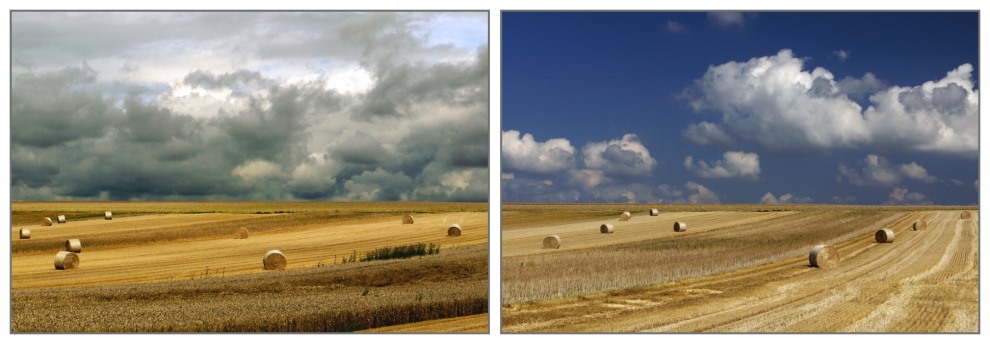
(400, 252)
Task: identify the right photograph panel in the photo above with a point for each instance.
(740, 172)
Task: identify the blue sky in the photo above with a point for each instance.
(727, 107)
(278, 106)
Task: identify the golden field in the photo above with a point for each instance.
(738, 269)
(176, 267)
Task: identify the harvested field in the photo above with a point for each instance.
(195, 252)
(756, 277)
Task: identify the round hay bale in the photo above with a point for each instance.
(454, 230)
(108, 216)
(73, 245)
(65, 260)
(274, 260)
(607, 228)
(919, 225)
(25, 233)
(680, 226)
(241, 233)
(625, 216)
(823, 256)
(884, 236)
(61, 219)
(552, 241)
(654, 212)
(964, 215)
(46, 221)
(407, 219)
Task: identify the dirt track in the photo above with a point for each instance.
(925, 281)
(306, 246)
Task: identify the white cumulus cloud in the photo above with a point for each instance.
(901, 195)
(876, 170)
(769, 198)
(776, 103)
(523, 153)
(733, 165)
(624, 157)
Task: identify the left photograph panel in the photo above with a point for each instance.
(249, 171)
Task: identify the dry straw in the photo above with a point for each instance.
(454, 230)
(919, 225)
(884, 236)
(607, 228)
(241, 233)
(65, 260)
(274, 260)
(964, 215)
(46, 221)
(407, 219)
(680, 226)
(73, 245)
(61, 219)
(823, 256)
(625, 216)
(108, 216)
(552, 241)
(25, 233)
(654, 212)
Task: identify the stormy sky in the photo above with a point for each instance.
(740, 107)
(249, 106)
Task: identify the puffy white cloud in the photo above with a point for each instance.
(700, 194)
(707, 134)
(257, 169)
(733, 165)
(587, 179)
(876, 170)
(777, 104)
(523, 153)
(901, 195)
(621, 158)
(769, 198)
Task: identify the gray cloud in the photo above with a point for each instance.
(271, 130)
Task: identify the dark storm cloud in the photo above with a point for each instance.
(273, 133)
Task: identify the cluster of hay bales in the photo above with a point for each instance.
(274, 260)
(884, 236)
(823, 256)
(654, 212)
(919, 225)
(61, 219)
(625, 216)
(454, 230)
(607, 228)
(241, 233)
(407, 219)
(73, 245)
(680, 226)
(25, 233)
(66, 260)
(108, 216)
(46, 221)
(964, 215)
(552, 241)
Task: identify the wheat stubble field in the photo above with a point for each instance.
(737, 269)
(176, 267)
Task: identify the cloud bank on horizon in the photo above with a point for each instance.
(249, 106)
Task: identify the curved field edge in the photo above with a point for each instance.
(477, 323)
(340, 298)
